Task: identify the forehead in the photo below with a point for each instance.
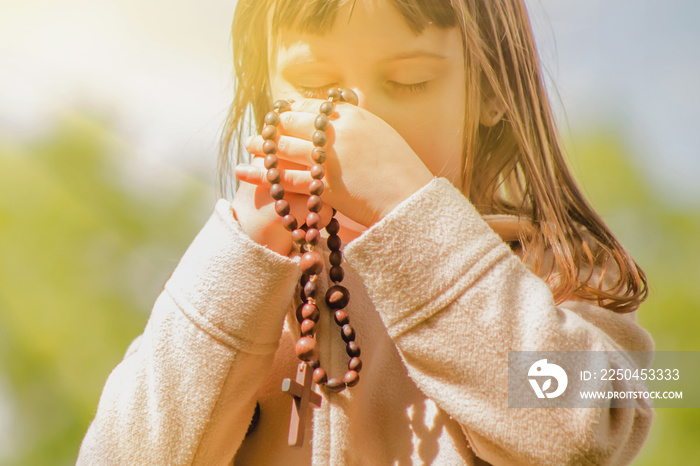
(367, 30)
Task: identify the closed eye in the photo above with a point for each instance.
(315, 92)
(411, 88)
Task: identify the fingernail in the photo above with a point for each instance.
(248, 140)
(242, 170)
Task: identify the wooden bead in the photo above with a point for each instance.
(269, 147)
(335, 257)
(355, 364)
(337, 297)
(271, 161)
(299, 236)
(281, 105)
(289, 222)
(276, 191)
(299, 316)
(307, 327)
(321, 122)
(317, 171)
(334, 242)
(313, 220)
(310, 311)
(335, 384)
(273, 175)
(320, 376)
(333, 227)
(318, 155)
(351, 378)
(349, 96)
(313, 236)
(316, 187)
(348, 333)
(333, 93)
(311, 262)
(269, 132)
(336, 274)
(341, 317)
(314, 203)
(272, 118)
(310, 289)
(326, 108)
(319, 138)
(282, 207)
(353, 349)
(306, 349)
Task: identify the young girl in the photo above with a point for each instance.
(464, 238)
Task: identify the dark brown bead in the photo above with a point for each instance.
(277, 191)
(272, 118)
(316, 187)
(300, 317)
(299, 236)
(355, 364)
(320, 376)
(348, 333)
(333, 93)
(349, 96)
(333, 227)
(337, 297)
(335, 258)
(313, 236)
(269, 132)
(334, 242)
(319, 138)
(311, 262)
(289, 222)
(317, 171)
(313, 220)
(336, 274)
(271, 161)
(335, 384)
(351, 378)
(282, 207)
(326, 108)
(353, 349)
(309, 311)
(341, 318)
(273, 176)
(281, 105)
(321, 122)
(314, 203)
(307, 327)
(306, 349)
(318, 155)
(269, 147)
(314, 363)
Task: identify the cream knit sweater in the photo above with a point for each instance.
(438, 299)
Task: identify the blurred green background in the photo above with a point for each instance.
(108, 124)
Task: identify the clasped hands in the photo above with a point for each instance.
(369, 170)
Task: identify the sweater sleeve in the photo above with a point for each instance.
(455, 300)
(184, 393)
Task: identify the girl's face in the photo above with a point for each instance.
(414, 82)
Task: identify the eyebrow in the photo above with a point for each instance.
(303, 59)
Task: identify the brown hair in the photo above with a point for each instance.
(517, 166)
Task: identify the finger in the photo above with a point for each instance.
(288, 148)
(295, 181)
(307, 106)
(298, 124)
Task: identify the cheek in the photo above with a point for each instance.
(438, 139)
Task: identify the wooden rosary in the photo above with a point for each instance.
(307, 237)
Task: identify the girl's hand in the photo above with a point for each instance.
(255, 211)
(369, 169)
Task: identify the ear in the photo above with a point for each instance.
(492, 110)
